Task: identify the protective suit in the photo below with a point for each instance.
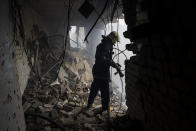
(101, 70)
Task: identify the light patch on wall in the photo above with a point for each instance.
(77, 35)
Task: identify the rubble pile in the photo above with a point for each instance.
(117, 100)
(57, 105)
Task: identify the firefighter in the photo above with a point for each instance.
(101, 70)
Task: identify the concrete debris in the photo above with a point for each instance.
(89, 127)
(63, 100)
(54, 114)
(26, 106)
(56, 82)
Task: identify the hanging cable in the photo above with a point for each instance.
(107, 17)
(114, 9)
(68, 26)
(117, 27)
(65, 41)
(111, 19)
(106, 3)
(120, 53)
(100, 17)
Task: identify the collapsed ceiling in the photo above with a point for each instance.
(56, 12)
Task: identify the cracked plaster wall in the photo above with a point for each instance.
(11, 111)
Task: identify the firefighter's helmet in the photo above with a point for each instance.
(114, 37)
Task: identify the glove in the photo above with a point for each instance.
(118, 66)
(121, 74)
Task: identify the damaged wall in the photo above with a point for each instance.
(160, 78)
(23, 68)
(30, 19)
(43, 45)
(21, 57)
(11, 111)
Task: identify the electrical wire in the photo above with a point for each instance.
(118, 62)
(106, 3)
(117, 26)
(65, 41)
(121, 83)
(68, 25)
(120, 53)
(100, 18)
(114, 9)
(111, 19)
